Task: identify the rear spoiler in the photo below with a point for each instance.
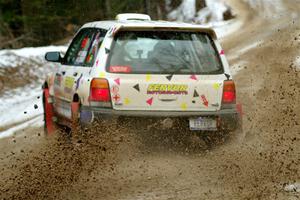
(208, 31)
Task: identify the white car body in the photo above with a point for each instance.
(163, 95)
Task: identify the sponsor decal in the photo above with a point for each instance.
(195, 94)
(57, 80)
(107, 51)
(78, 82)
(150, 101)
(102, 75)
(204, 100)
(117, 81)
(115, 89)
(137, 87)
(126, 101)
(193, 77)
(167, 89)
(84, 42)
(120, 69)
(169, 77)
(148, 77)
(69, 82)
(183, 106)
(117, 98)
(216, 86)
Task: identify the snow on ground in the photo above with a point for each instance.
(185, 12)
(234, 69)
(16, 57)
(22, 107)
(225, 28)
(268, 6)
(297, 62)
(295, 187)
(210, 16)
(245, 49)
(213, 12)
(35, 122)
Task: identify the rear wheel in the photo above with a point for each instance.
(237, 135)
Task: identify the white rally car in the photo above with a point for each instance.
(137, 67)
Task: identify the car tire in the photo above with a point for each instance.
(237, 135)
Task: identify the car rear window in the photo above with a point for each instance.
(164, 52)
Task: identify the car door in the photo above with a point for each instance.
(81, 72)
(65, 77)
(77, 63)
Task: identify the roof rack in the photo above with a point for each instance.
(133, 16)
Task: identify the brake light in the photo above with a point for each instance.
(99, 90)
(229, 95)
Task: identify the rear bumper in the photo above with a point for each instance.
(102, 112)
(229, 119)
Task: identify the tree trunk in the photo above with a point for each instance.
(147, 6)
(107, 9)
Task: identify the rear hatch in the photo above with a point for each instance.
(165, 70)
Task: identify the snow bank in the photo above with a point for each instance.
(22, 107)
(268, 8)
(214, 12)
(35, 122)
(297, 62)
(210, 16)
(186, 12)
(292, 187)
(17, 57)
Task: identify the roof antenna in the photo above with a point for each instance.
(227, 76)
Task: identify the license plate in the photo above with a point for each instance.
(203, 123)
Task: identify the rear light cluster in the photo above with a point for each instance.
(99, 92)
(229, 96)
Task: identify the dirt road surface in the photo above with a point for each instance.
(122, 162)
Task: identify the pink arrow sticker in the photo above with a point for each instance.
(205, 102)
(222, 52)
(117, 81)
(150, 101)
(194, 77)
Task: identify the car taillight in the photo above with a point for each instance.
(99, 90)
(229, 92)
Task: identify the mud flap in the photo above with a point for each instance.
(239, 135)
(48, 113)
(239, 109)
(75, 116)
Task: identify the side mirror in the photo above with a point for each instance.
(53, 57)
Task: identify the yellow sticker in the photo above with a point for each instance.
(69, 82)
(102, 75)
(183, 106)
(126, 101)
(216, 86)
(167, 89)
(148, 77)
